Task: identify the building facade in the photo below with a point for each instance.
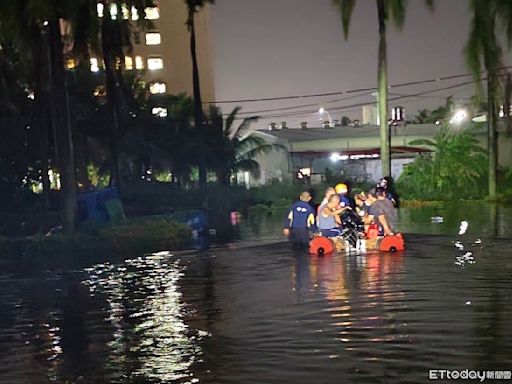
(353, 152)
(161, 52)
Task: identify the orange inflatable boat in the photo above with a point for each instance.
(321, 245)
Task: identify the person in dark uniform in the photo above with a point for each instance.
(300, 221)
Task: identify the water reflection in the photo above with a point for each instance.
(265, 315)
(150, 340)
(356, 289)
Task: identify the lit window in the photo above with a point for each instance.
(125, 11)
(139, 63)
(303, 173)
(156, 88)
(100, 8)
(155, 63)
(153, 38)
(135, 14)
(159, 112)
(152, 13)
(128, 63)
(94, 65)
(113, 11)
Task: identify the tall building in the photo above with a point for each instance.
(162, 51)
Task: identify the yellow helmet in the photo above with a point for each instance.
(341, 188)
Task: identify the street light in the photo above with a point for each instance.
(335, 157)
(459, 116)
(321, 111)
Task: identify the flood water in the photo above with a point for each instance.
(255, 313)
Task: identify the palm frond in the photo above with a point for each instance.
(230, 119)
(248, 165)
(396, 12)
(426, 142)
(345, 8)
(244, 128)
(504, 14)
(250, 141)
(257, 151)
(430, 5)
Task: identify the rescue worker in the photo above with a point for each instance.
(329, 220)
(300, 221)
(345, 201)
(384, 213)
(328, 193)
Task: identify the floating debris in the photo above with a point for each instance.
(437, 219)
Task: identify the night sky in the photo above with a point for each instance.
(270, 48)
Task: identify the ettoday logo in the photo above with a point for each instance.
(467, 374)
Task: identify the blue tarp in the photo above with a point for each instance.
(92, 205)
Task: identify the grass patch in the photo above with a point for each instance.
(129, 238)
(148, 235)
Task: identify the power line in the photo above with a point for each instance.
(254, 113)
(346, 107)
(303, 105)
(405, 84)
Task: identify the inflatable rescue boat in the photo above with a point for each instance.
(321, 245)
(355, 239)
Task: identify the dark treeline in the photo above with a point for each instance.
(66, 129)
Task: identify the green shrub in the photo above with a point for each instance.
(456, 168)
(148, 235)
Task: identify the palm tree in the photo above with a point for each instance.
(423, 116)
(194, 6)
(483, 52)
(387, 10)
(37, 25)
(234, 147)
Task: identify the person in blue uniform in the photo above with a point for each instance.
(300, 221)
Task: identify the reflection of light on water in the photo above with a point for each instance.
(54, 350)
(463, 227)
(467, 257)
(359, 290)
(146, 311)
